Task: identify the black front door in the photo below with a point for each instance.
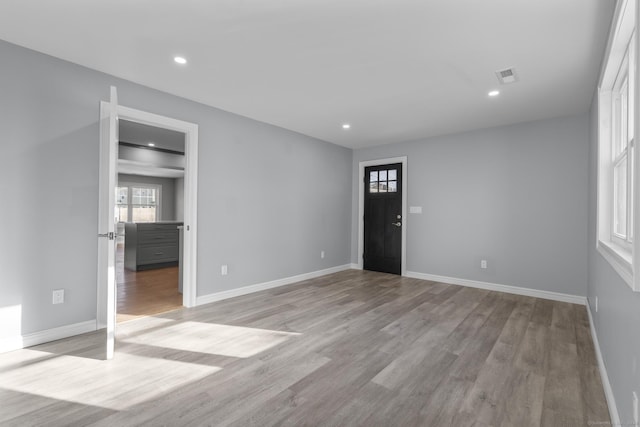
(383, 218)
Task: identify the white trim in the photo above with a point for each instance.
(355, 266)
(405, 218)
(621, 265)
(621, 28)
(189, 271)
(536, 293)
(218, 296)
(47, 335)
(608, 391)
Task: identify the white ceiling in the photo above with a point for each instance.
(396, 70)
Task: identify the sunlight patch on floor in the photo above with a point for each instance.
(212, 338)
(118, 384)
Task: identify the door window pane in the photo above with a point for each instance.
(383, 181)
(620, 195)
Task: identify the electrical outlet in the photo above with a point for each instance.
(322, 254)
(483, 264)
(596, 307)
(224, 270)
(58, 296)
(635, 407)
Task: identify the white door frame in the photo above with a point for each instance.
(377, 162)
(190, 247)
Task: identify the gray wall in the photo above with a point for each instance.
(514, 195)
(269, 199)
(617, 321)
(168, 192)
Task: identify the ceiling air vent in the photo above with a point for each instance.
(506, 76)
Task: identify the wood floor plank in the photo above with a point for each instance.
(144, 293)
(593, 399)
(521, 406)
(533, 354)
(354, 348)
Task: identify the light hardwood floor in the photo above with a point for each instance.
(349, 349)
(145, 293)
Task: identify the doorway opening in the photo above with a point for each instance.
(382, 241)
(145, 202)
(149, 216)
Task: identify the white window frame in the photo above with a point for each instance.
(129, 185)
(622, 252)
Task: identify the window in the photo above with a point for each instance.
(137, 203)
(622, 152)
(383, 181)
(122, 204)
(616, 148)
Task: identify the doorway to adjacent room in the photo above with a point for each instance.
(149, 213)
(156, 239)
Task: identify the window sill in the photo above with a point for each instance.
(619, 258)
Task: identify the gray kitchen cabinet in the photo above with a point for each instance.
(151, 245)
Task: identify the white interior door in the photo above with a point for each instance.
(106, 310)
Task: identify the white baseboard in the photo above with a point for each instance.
(219, 296)
(608, 391)
(555, 296)
(354, 266)
(47, 335)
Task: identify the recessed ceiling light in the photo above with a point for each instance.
(346, 126)
(180, 60)
(151, 144)
(494, 93)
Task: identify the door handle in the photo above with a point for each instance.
(110, 235)
(397, 224)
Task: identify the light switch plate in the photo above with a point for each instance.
(415, 209)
